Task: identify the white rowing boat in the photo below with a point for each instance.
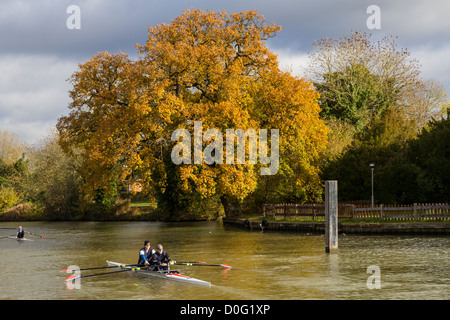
(19, 239)
(170, 275)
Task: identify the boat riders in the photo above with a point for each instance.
(21, 233)
(145, 254)
(160, 259)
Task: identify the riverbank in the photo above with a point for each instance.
(124, 211)
(23, 213)
(422, 228)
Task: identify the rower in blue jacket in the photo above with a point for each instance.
(145, 254)
(160, 259)
(21, 233)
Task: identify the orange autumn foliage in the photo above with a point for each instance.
(212, 67)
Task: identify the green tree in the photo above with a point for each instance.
(352, 95)
(359, 78)
(8, 197)
(52, 182)
(430, 152)
(383, 143)
(11, 148)
(13, 165)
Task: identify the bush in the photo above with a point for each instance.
(8, 198)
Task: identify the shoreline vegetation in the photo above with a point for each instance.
(254, 223)
(145, 211)
(123, 211)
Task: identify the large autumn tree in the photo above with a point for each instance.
(211, 67)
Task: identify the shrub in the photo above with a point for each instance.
(8, 197)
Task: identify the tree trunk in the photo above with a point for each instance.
(231, 206)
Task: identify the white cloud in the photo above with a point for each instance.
(33, 94)
(435, 63)
(289, 60)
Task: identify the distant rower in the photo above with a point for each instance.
(21, 233)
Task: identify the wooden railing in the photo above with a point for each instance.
(360, 211)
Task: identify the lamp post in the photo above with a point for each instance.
(372, 167)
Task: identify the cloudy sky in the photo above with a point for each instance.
(38, 52)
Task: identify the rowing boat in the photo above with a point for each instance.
(19, 239)
(170, 275)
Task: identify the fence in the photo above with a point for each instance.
(360, 211)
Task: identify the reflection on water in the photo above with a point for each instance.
(264, 265)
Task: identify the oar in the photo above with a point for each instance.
(189, 261)
(223, 265)
(108, 267)
(35, 234)
(71, 278)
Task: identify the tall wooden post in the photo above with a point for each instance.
(331, 215)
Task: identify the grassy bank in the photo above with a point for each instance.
(123, 211)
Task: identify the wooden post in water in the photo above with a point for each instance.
(331, 215)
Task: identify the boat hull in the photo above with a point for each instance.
(164, 275)
(19, 239)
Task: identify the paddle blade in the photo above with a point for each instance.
(71, 278)
(224, 265)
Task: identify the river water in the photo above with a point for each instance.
(268, 266)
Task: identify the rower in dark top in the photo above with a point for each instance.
(160, 259)
(145, 254)
(21, 233)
